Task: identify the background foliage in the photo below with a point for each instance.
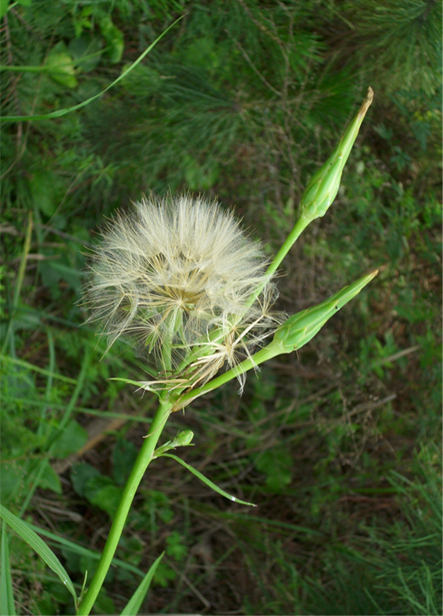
(339, 444)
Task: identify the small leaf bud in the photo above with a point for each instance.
(183, 438)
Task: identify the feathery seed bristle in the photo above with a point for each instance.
(174, 276)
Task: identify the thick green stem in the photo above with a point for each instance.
(138, 470)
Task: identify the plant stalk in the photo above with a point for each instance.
(252, 362)
(141, 464)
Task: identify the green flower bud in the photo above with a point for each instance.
(183, 438)
(323, 186)
(303, 326)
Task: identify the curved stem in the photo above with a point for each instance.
(141, 464)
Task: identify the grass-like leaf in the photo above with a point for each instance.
(34, 368)
(82, 551)
(37, 544)
(133, 605)
(6, 594)
(207, 481)
(62, 112)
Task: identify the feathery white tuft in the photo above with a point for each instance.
(174, 277)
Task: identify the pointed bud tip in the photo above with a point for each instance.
(367, 102)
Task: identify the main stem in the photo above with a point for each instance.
(141, 464)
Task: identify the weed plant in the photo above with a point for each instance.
(339, 443)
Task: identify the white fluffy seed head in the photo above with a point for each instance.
(174, 277)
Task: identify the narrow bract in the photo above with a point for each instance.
(174, 277)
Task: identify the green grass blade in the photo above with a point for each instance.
(138, 384)
(82, 551)
(6, 594)
(33, 367)
(9, 337)
(207, 481)
(66, 417)
(133, 606)
(26, 69)
(37, 544)
(61, 112)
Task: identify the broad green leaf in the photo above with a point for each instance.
(133, 606)
(6, 593)
(3, 7)
(11, 472)
(107, 497)
(70, 440)
(49, 480)
(207, 481)
(276, 463)
(176, 546)
(164, 575)
(86, 51)
(60, 66)
(47, 190)
(114, 38)
(104, 604)
(96, 488)
(37, 544)
(81, 474)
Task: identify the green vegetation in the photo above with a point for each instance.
(339, 443)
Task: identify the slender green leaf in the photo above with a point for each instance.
(25, 364)
(127, 381)
(6, 594)
(3, 7)
(62, 112)
(26, 69)
(82, 551)
(207, 481)
(37, 544)
(133, 606)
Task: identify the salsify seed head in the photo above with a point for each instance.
(175, 277)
